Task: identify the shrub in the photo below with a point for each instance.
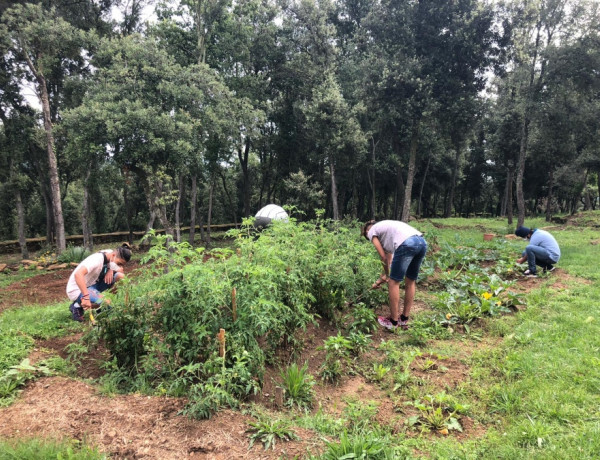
(73, 254)
(298, 385)
(261, 293)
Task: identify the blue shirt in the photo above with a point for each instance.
(544, 240)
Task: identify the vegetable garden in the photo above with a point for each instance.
(280, 328)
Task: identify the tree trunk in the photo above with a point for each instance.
(178, 208)
(193, 207)
(211, 192)
(509, 196)
(334, 190)
(88, 241)
(371, 177)
(422, 186)
(587, 203)
(410, 176)
(398, 193)
(549, 197)
(49, 215)
(450, 203)
(243, 157)
(128, 207)
(229, 197)
(52, 163)
(21, 224)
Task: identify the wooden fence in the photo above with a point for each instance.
(34, 244)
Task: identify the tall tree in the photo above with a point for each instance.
(40, 40)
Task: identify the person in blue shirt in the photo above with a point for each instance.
(542, 250)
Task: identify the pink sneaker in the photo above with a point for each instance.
(386, 322)
(403, 325)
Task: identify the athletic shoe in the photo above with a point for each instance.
(528, 273)
(549, 269)
(403, 325)
(387, 322)
(76, 312)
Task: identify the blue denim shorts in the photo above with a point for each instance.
(95, 296)
(408, 258)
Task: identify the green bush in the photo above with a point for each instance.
(278, 283)
(73, 254)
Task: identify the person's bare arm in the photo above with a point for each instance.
(80, 280)
(384, 260)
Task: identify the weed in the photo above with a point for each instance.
(269, 431)
(331, 370)
(298, 385)
(360, 414)
(379, 372)
(361, 446)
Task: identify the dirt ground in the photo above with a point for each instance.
(143, 427)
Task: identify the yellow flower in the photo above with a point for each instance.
(448, 315)
(499, 303)
(486, 295)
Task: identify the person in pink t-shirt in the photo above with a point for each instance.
(402, 249)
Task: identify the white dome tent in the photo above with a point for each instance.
(266, 215)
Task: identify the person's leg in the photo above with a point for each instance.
(394, 298)
(410, 287)
(536, 255)
(412, 274)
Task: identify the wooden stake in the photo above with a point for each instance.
(221, 339)
(279, 393)
(234, 303)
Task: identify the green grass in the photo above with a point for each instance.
(38, 449)
(19, 327)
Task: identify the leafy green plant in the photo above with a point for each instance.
(359, 342)
(364, 445)
(359, 413)
(73, 254)
(338, 346)
(298, 385)
(331, 370)
(269, 431)
(379, 372)
(362, 319)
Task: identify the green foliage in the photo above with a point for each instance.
(73, 254)
(360, 414)
(366, 445)
(47, 450)
(269, 431)
(17, 376)
(168, 320)
(363, 319)
(298, 385)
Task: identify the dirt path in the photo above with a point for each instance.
(42, 289)
(132, 426)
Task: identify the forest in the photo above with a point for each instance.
(136, 115)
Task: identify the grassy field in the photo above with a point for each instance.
(532, 386)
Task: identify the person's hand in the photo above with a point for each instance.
(521, 260)
(86, 303)
(377, 284)
(108, 277)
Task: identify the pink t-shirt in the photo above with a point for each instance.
(391, 234)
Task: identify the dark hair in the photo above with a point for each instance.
(365, 228)
(522, 232)
(124, 252)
